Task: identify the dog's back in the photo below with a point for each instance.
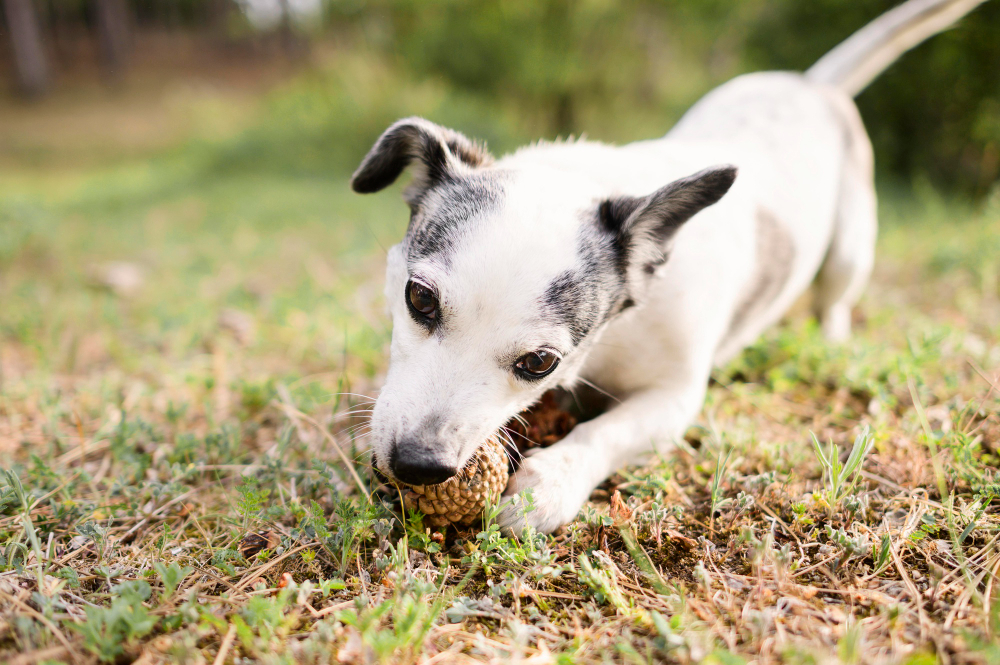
(813, 189)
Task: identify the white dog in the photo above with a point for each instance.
(635, 268)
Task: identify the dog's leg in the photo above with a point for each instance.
(849, 261)
(562, 476)
(851, 255)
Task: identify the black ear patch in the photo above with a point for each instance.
(666, 209)
(641, 225)
(613, 213)
(437, 151)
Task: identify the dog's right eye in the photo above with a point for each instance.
(536, 364)
(422, 301)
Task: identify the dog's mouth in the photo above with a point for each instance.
(461, 499)
(548, 421)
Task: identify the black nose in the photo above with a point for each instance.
(419, 466)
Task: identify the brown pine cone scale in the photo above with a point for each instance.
(461, 499)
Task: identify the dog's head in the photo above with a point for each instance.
(504, 280)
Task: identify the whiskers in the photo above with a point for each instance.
(367, 398)
(359, 430)
(351, 413)
(509, 447)
(524, 423)
(593, 385)
(362, 410)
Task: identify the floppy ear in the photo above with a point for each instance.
(641, 227)
(437, 152)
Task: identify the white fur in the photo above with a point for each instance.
(788, 141)
(805, 168)
(659, 356)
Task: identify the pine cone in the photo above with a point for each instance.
(541, 425)
(461, 499)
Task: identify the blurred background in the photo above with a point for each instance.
(334, 72)
(174, 172)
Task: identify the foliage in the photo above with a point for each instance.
(578, 67)
(107, 630)
(842, 478)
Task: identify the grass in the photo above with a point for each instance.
(174, 435)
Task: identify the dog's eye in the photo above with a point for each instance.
(422, 300)
(536, 364)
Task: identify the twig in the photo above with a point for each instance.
(288, 406)
(48, 624)
(50, 653)
(989, 589)
(227, 643)
(270, 564)
(966, 595)
(903, 490)
(775, 517)
(807, 569)
(319, 614)
(914, 592)
(993, 386)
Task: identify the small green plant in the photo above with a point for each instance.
(718, 502)
(601, 582)
(850, 648)
(849, 546)
(973, 513)
(108, 630)
(97, 534)
(801, 511)
(326, 587)
(841, 479)
(9, 495)
(15, 490)
(356, 526)
(171, 576)
(252, 500)
(264, 620)
(222, 559)
(882, 554)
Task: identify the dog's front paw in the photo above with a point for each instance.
(558, 491)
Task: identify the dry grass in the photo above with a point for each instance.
(179, 491)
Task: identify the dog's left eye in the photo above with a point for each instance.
(422, 300)
(536, 364)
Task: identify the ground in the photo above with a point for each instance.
(186, 355)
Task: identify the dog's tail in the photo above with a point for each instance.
(856, 62)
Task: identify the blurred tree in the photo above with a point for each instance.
(113, 35)
(551, 54)
(30, 61)
(292, 42)
(621, 69)
(937, 112)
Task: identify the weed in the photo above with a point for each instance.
(171, 576)
(718, 502)
(882, 554)
(849, 546)
(841, 479)
(108, 631)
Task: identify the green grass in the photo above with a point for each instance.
(152, 432)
